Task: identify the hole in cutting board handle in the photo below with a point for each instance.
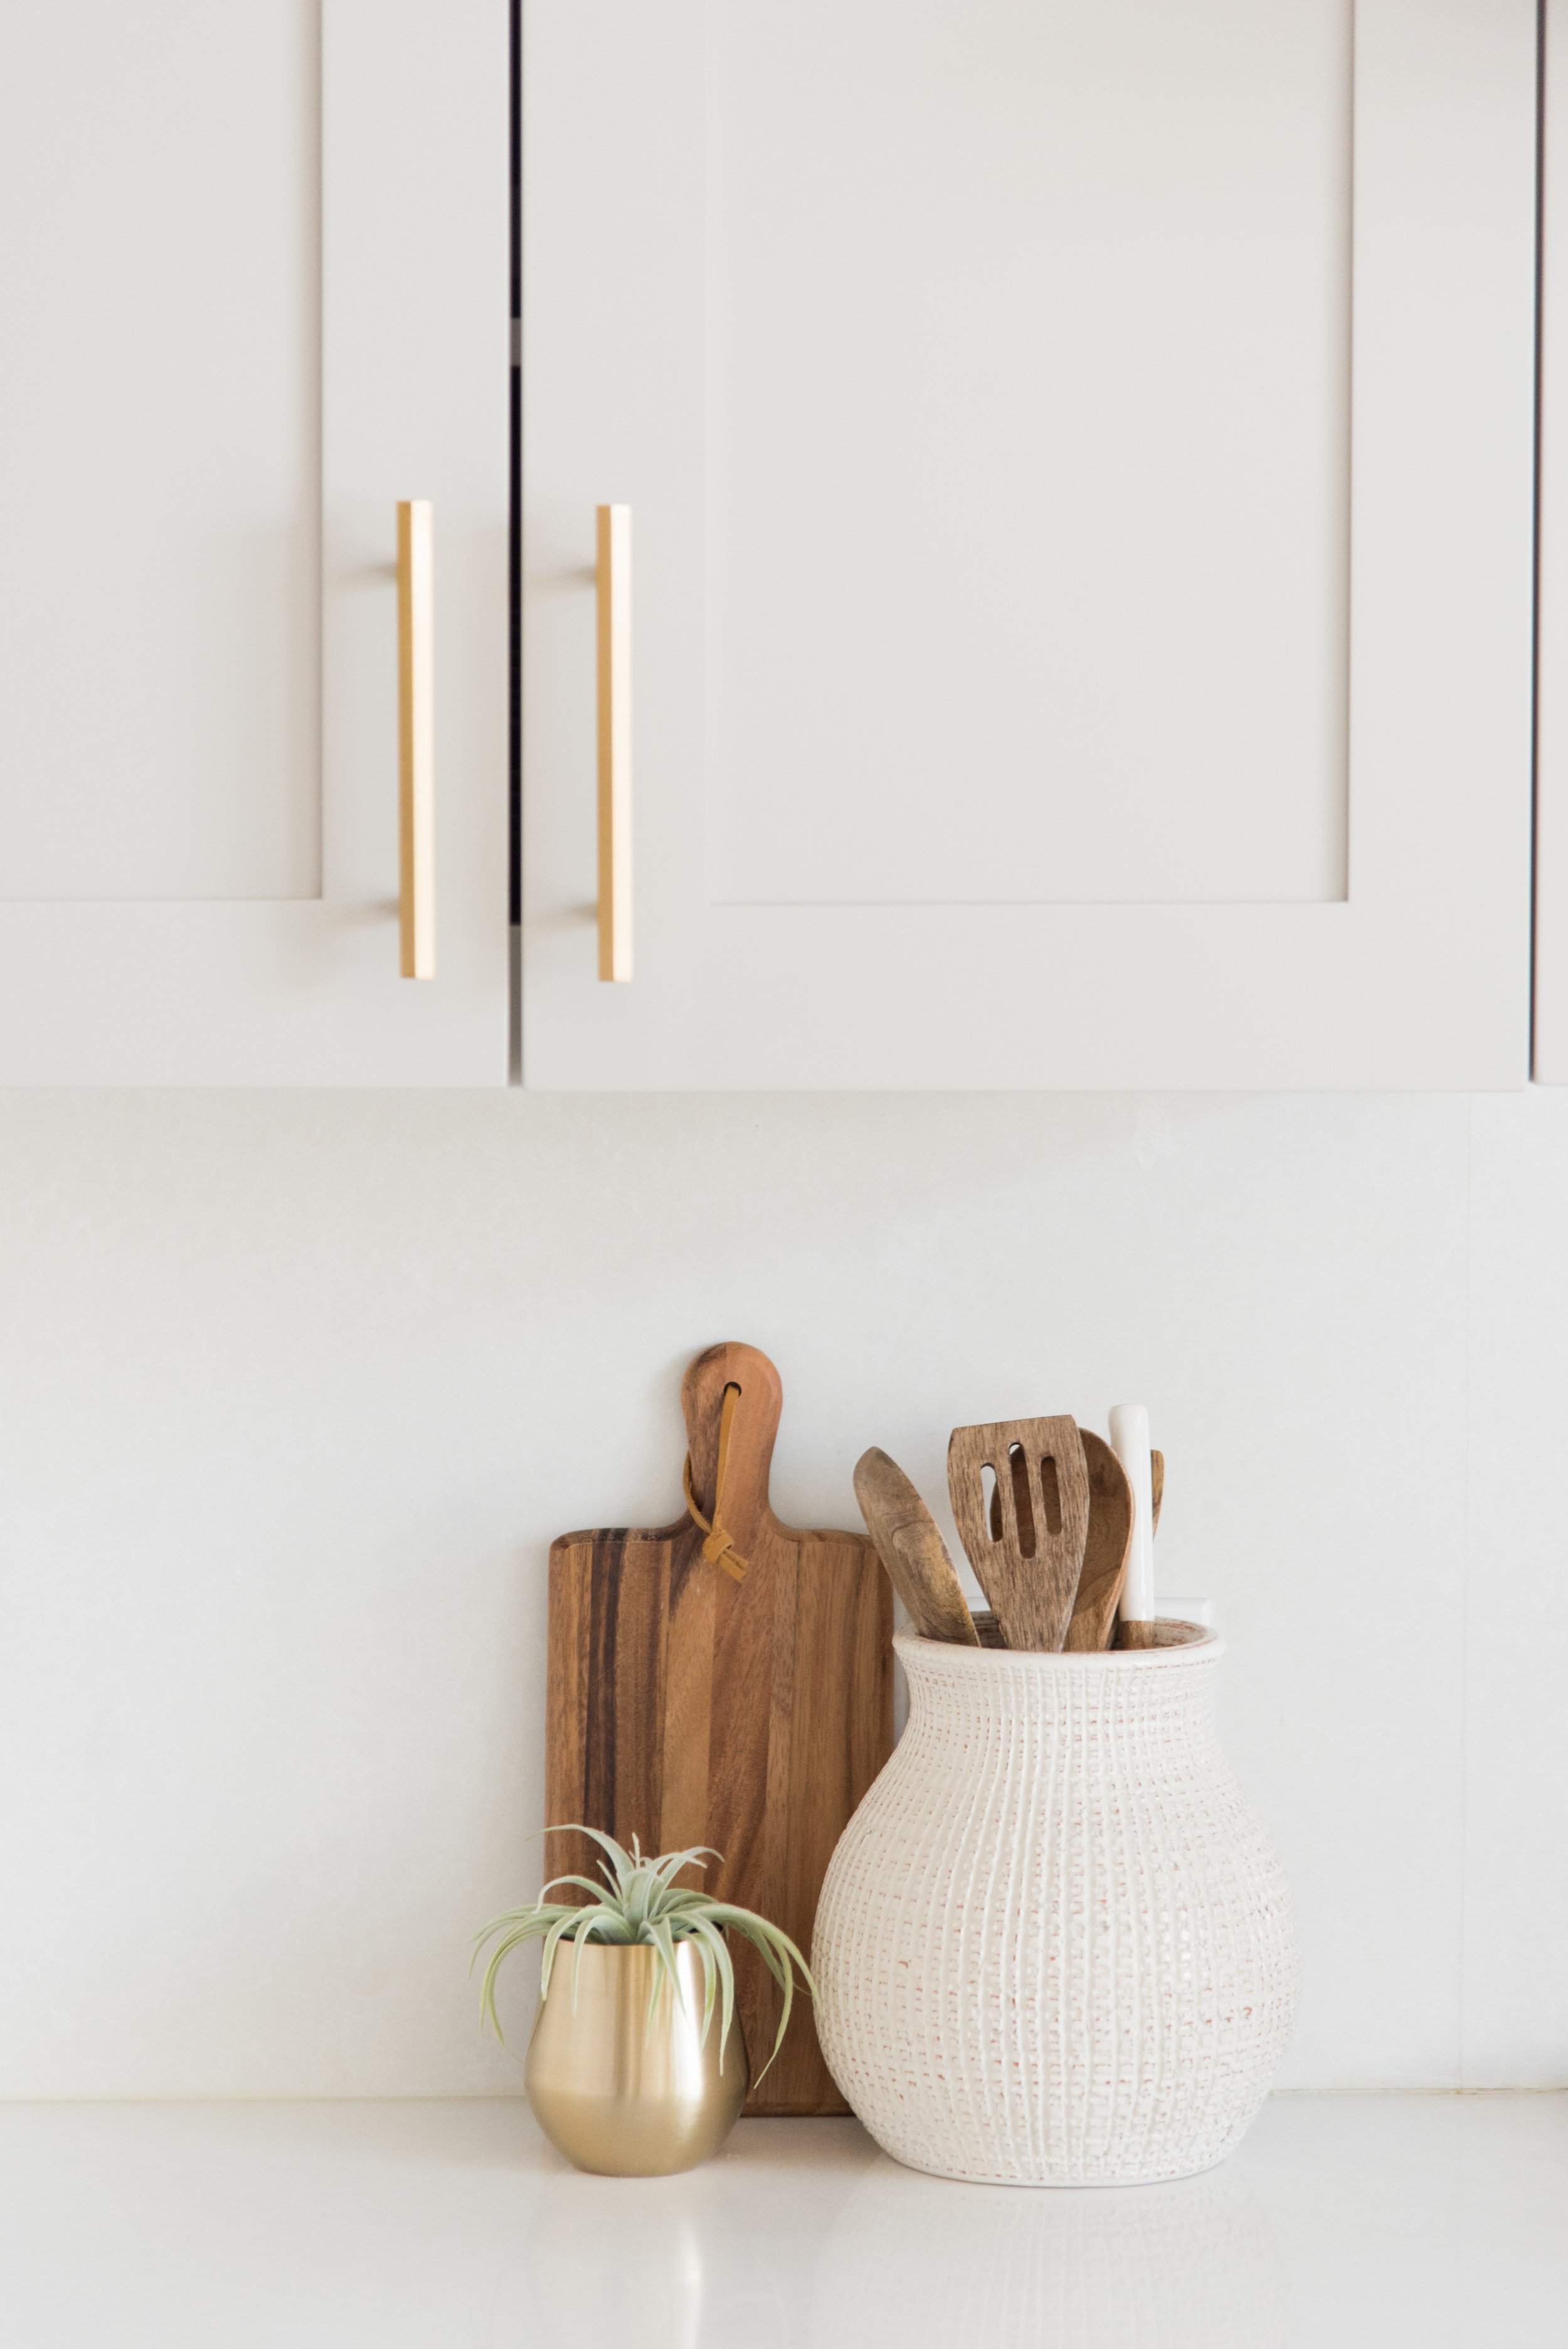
(721, 1465)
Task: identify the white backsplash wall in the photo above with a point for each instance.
(295, 1390)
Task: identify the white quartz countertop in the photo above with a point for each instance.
(1429, 2221)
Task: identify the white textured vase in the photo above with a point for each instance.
(1054, 1946)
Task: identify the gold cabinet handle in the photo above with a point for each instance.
(612, 577)
(417, 735)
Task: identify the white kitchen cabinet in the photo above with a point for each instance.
(254, 273)
(1080, 464)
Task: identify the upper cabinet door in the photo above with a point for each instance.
(253, 272)
(1079, 460)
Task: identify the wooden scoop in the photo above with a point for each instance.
(911, 1546)
(1029, 1567)
(1109, 1543)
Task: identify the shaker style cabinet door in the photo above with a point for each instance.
(254, 274)
(1078, 459)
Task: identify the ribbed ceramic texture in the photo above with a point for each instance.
(1054, 1946)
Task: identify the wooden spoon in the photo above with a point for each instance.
(911, 1546)
(1029, 1567)
(1106, 1554)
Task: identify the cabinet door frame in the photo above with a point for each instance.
(1419, 978)
(1550, 1040)
(415, 309)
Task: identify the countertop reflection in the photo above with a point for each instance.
(1345, 2220)
(1340, 2217)
(820, 2239)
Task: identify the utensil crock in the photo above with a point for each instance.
(1053, 1945)
(613, 2097)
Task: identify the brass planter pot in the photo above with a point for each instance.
(614, 2098)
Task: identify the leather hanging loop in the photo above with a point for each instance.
(719, 1548)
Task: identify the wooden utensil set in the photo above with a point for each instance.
(727, 1680)
(1044, 1510)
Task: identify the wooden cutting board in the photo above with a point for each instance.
(689, 1708)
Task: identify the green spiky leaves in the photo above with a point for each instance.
(640, 1902)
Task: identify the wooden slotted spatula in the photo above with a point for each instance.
(1106, 1554)
(1029, 1569)
(910, 1545)
(1156, 1481)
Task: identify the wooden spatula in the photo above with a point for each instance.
(1029, 1569)
(1156, 1484)
(1105, 1556)
(910, 1545)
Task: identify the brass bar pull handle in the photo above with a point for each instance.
(417, 735)
(612, 577)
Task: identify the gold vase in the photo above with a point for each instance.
(613, 2097)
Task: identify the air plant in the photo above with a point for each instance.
(641, 1902)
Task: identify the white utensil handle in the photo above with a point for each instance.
(1129, 1442)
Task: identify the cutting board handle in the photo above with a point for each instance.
(752, 1431)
